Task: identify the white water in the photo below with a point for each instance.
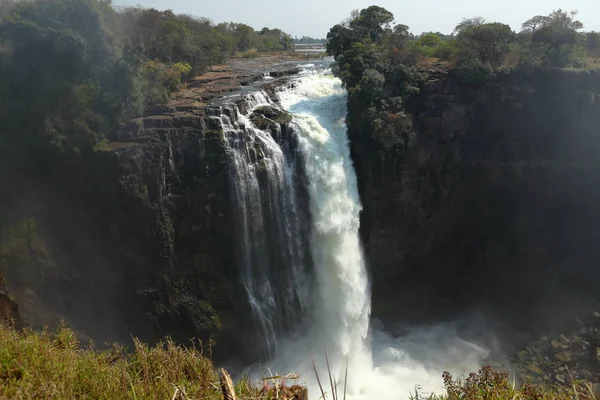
(379, 367)
(269, 225)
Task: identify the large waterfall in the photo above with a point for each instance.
(301, 256)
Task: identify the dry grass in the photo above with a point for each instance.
(45, 365)
(52, 366)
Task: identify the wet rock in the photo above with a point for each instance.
(271, 119)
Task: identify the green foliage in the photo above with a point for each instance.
(488, 42)
(593, 45)
(371, 22)
(72, 70)
(308, 40)
(473, 72)
(252, 53)
(447, 50)
(556, 37)
(430, 40)
(377, 64)
(492, 385)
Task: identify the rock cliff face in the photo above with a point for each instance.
(139, 239)
(494, 205)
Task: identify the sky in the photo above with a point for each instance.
(315, 17)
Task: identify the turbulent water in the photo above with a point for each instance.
(328, 289)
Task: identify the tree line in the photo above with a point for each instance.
(378, 60)
(72, 70)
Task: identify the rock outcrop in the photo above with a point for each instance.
(139, 240)
(9, 310)
(493, 206)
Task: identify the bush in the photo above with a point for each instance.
(473, 72)
(53, 365)
(159, 80)
(490, 384)
(252, 53)
(446, 50)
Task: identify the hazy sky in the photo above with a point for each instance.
(315, 17)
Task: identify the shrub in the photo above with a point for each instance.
(473, 72)
(48, 365)
(446, 50)
(252, 53)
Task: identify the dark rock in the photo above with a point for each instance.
(492, 206)
(272, 119)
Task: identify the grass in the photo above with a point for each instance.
(252, 53)
(45, 365)
(52, 365)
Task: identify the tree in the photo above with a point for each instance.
(593, 45)
(533, 23)
(468, 23)
(430, 40)
(371, 22)
(339, 39)
(489, 42)
(556, 35)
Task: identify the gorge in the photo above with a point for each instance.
(382, 212)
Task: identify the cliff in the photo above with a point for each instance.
(492, 206)
(138, 239)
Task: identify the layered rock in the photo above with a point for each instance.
(493, 206)
(139, 239)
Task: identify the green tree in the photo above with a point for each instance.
(556, 36)
(372, 22)
(339, 39)
(468, 23)
(56, 75)
(430, 40)
(489, 42)
(593, 45)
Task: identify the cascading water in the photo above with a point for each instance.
(337, 309)
(272, 238)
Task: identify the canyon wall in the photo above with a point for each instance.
(492, 206)
(138, 238)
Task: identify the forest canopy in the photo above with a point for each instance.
(71, 70)
(379, 61)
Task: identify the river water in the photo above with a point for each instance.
(302, 260)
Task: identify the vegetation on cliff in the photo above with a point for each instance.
(380, 63)
(71, 70)
(71, 73)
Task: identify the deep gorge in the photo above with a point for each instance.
(482, 212)
(493, 205)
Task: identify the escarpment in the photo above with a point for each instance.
(139, 238)
(493, 204)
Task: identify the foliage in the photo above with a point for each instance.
(371, 22)
(252, 53)
(308, 40)
(377, 64)
(593, 45)
(492, 385)
(488, 42)
(52, 365)
(556, 36)
(72, 70)
(430, 40)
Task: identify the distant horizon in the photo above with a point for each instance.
(314, 18)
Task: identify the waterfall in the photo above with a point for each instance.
(272, 243)
(307, 265)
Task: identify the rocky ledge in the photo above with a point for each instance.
(141, 234)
